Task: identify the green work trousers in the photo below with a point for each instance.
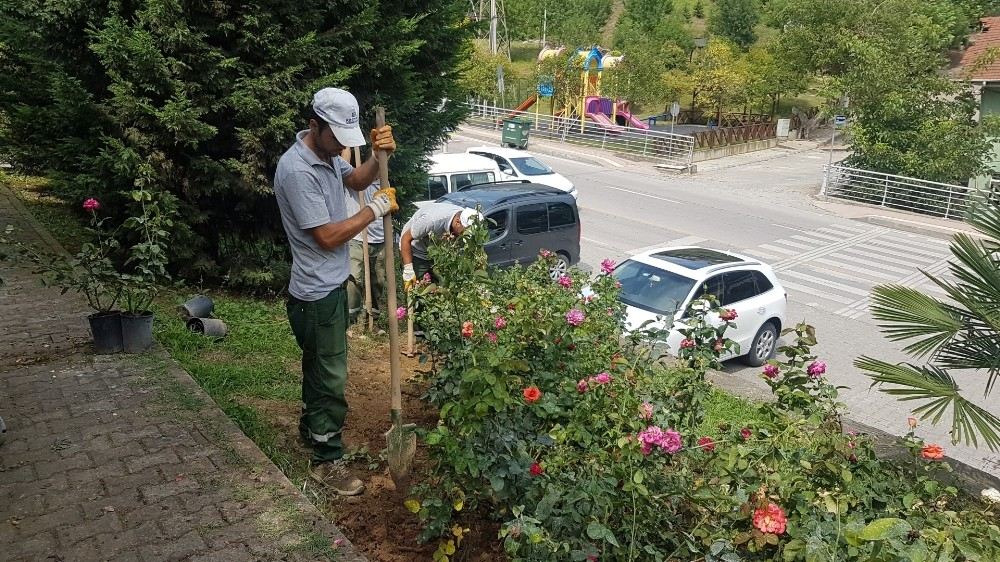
(320, 328)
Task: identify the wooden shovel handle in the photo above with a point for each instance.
(364, 249)
(390, 276)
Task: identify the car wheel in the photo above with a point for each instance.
(763, 345)
(560, 267)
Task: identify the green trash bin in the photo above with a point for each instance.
(515, 132)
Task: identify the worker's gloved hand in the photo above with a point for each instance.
(409, 276)
(384, 202)
(382, 139)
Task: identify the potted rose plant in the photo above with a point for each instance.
(145, 268)
(91, 272)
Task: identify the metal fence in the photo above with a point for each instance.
(901, 192)
(667, 149)
(724, 136)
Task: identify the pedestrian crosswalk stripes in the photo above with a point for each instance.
(840, 264)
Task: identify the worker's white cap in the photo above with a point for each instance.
(339, 108)
(467, 216)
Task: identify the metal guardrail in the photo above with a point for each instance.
(901, 192)
(666, 149)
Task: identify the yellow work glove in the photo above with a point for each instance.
(382, 139)
(409, 277)
(384, 202)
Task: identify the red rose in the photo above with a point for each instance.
(536, 469)
(770, 519)
(687, 343)
(531, 394)
(932, 452)
(706, 444)
(745, 433)
(728, 315)
(467, 329)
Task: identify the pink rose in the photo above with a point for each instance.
(602, 378)
(816, 369)
(771, 371)
(607, 266)
(565, 281)
(492, 336)
(500, 323)
(728, 315)
(575, 317)
(90, 204)
(582, 385)
(545, 253)
(687, 343)
(401, 313)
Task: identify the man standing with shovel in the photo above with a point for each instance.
(311, 185)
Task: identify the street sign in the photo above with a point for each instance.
(545, 90)
(675, 109)
(839, 121)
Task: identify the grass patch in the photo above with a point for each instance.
(62, 221)
(724, 408)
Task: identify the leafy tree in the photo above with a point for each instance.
(887, 59)
(735, 20)
(699, 9)
(479, 74)
(199, 99)
(961, 333)
(720, 76)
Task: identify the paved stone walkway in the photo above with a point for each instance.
(125, 457)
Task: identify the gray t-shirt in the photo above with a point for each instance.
(376, 228)
(311, 193)
(433, 219)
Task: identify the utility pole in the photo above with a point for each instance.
(545, 22)
(493, 27)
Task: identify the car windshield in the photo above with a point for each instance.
(530, 166)
(651, 288)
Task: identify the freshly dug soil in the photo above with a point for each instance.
(377, 522)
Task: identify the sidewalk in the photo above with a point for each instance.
(125, 457)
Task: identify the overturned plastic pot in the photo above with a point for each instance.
(212, 327)
(137, 331)
(199, 306)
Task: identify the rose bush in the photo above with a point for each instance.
(587, 447)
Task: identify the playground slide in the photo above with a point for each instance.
(524, 105)
(632, 119)
(603, 121)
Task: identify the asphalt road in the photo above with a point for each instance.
(765, 209)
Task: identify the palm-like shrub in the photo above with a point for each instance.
(961, 332)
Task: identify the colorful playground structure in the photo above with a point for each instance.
(611, 115)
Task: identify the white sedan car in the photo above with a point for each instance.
(520, 165)
(659, 285)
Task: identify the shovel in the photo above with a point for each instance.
(401, 441)
(364, 249)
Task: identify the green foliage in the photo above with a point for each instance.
(574, 24)
(479, 77)
(961, 333)
(734, 20)
(199, 99)
(887, 58)
(589, 448)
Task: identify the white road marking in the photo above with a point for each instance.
(641, 194)
(866, 271)
(814, 292)
(685, 241)
(825, 283)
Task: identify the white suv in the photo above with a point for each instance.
(660, 284)
(521, 165)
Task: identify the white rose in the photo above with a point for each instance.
(992, 495)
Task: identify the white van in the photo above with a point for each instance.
(450, 172)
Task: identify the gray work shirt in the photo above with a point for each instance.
(434, 219)
(311, 193)
(376, 228)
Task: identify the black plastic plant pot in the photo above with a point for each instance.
(106, 327)
(212, 327)
(137, 331)
(199, 306)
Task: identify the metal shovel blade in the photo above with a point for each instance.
(401, 444)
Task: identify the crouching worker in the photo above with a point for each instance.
(436, 220)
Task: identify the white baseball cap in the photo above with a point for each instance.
(466, 216)
(339, 108)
